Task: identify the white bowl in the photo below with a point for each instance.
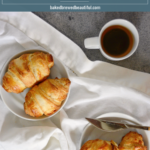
(91, 133)
(15, 102)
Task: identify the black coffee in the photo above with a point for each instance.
(117, 41)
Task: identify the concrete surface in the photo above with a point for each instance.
(80, 25)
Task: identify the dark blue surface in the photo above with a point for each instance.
(110, 2)
(104, 5)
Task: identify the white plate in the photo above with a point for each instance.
(15, 101)
(91, 133)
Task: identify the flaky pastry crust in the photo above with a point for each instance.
(99, 145)
(46, 98)
(26, 71)
(132, 141)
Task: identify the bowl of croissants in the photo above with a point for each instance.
(93, 138)
(35, 84)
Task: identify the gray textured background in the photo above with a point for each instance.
(80, 25)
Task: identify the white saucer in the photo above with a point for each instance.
(91, 133)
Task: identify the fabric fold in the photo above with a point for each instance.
(52, 40)
(97, 88)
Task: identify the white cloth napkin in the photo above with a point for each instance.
(97, 88)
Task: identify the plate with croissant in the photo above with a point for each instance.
(130, 139)
(34, 85)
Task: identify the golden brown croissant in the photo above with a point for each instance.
(99, 145)
(132, 141)
(26, 71)
(46, 98)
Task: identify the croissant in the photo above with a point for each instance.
(99, 145)
(132, 141)
(46, 98)
(26, 71)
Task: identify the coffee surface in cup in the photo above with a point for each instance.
(117, 41)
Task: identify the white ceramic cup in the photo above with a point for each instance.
(94, 42)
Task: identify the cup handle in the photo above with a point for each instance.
(92, 43)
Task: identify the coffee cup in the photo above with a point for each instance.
(117, 40)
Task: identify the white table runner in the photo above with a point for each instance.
(98, 88)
